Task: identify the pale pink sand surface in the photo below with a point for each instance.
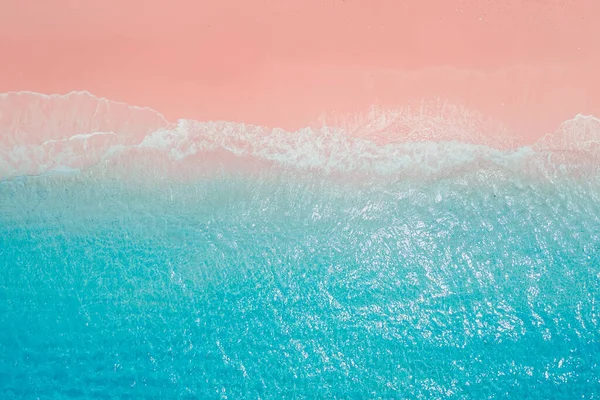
(528, 65)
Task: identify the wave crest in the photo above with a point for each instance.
(55, 133)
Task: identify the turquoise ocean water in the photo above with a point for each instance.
(398, 259)
(480, 284)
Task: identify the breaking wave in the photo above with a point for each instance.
(46, 134)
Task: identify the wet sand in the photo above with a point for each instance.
(527, 65)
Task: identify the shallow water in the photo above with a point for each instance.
(483, 284)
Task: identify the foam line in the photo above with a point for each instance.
(86, 131)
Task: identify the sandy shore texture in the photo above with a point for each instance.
(526, 65)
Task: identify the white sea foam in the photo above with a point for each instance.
(42, 134)
(81, 136)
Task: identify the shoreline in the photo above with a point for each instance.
(526, 66)
(83, 134)
(526, 102)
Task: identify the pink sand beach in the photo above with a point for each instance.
(527, 65)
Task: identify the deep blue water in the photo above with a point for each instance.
(289, 286)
